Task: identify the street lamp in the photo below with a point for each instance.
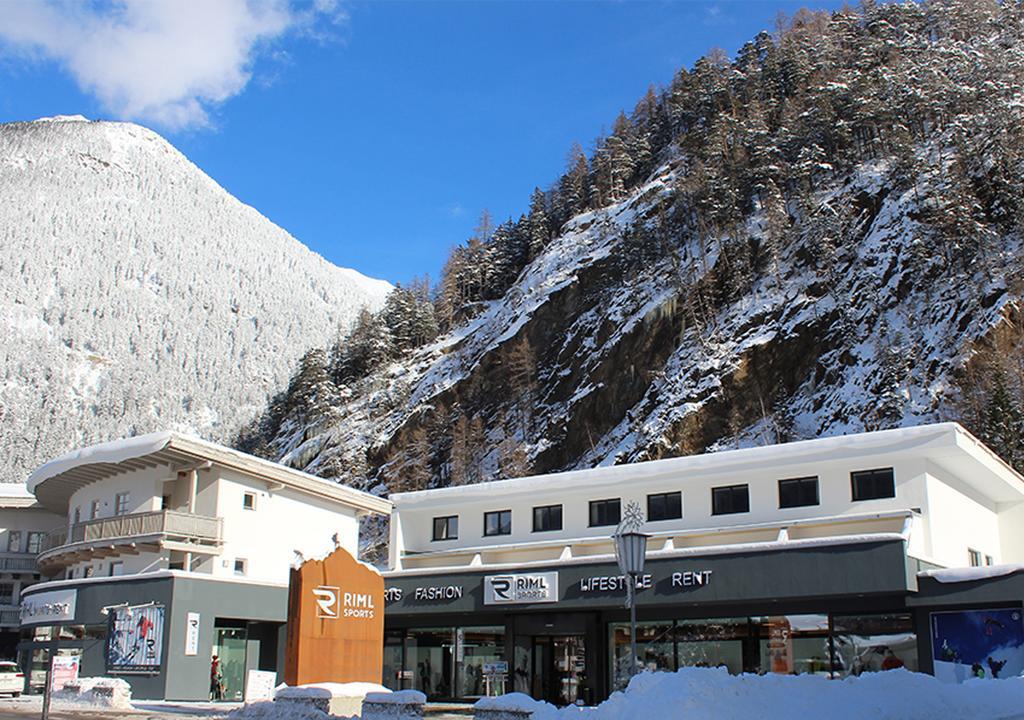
(631, 551)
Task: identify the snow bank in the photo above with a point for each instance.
(95, 692)
(329, 690)
(714, 694)
(514, 702)
(269, 710)
(399, 697)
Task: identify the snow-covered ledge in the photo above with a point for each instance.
(338, 699)
(513, 706)
(398, 705)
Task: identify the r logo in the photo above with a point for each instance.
(326, 601)
(501, 587)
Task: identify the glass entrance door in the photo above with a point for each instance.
(229, 651)
(560, 668)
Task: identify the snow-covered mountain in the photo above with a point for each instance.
(136, 293)
(820, 236)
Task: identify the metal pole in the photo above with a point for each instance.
(632, 624)
(46, 687)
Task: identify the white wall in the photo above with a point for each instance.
(415, 521)
(144, 488)
(960, 518)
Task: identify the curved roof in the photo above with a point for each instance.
(54, 482)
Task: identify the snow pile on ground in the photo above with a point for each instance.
(329, 690)
(714, 694)
(100, 692)
(398, 697)
(269, 710)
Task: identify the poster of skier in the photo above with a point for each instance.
(135, 641)
(977, 644)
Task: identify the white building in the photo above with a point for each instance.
(198, 538)
(24, 525)
(819, 533)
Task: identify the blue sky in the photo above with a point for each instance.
(374, 132)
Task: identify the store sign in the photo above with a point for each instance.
(332, 603)
(192, 633)
(521, 588)
(613, 583)
(691, 578)
(438, 592)
(51, 607)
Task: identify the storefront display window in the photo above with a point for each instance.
(716, 642)
(481, 648)
(430, 655)
(654, 646)
(793, 644)
(392, 676)
(871, 643)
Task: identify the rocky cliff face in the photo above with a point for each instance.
(136, 294)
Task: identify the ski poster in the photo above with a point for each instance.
(977, 644)
(135, 640)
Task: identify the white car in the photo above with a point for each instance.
(12, 679)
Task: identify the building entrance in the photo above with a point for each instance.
(559, 668)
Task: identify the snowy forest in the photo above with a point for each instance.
(819, 235)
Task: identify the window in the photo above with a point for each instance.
(121, 503)
(116, 568)
(165, 502)
(14, 541)
(94, 510)
(77, 517)
(248, 501)
(547, 518)
(873, 484)
(498, 522)
(446, 528)
(240, 566)
(90, 570)
(665, 506)
(974, 557)
(798, 492)
(605, 512)
(35, 543)
(730, 499)
(989, 560)
(7, 593)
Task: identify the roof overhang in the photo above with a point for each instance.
(54, 483)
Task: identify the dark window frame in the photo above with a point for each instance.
(501, 529)
(670, 502)
(732, 490)
(447, 526)
(545, 511)
(857, 491)
(604, 503)
(800, 482)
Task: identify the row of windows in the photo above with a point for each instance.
(725, 500)
(33, 545)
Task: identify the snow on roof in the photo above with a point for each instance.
(119, 451)
(967, 574)
(931, 440)
(14, 490)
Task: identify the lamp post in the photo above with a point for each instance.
(631, 551)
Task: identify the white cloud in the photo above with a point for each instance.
(165, 61)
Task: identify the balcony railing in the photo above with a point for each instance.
(10, 616)
(18, 564)
(160, 526)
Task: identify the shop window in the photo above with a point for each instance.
(430, 655)
(547, 518)
(605, 512)
(120, 504)
(714, 642)
(730, 499)
(793, 644)
(480, 646)
(973, 558)
(655, 648)
(872, 643)
(14, 541)
(798, 492)
(665, 506)
(873, 484)
(248, 501)
(394, 676)
(498, 522)
(446, 528)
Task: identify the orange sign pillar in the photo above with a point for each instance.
(335, 622)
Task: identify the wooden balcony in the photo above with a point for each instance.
(130, 535)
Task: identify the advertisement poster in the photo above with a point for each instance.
(135, 642)
(65, 670)
(977, 644)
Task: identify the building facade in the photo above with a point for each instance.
(824, 556)
(173, 551)
(24, 525)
